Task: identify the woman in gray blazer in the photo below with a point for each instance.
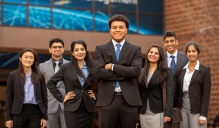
(26, 94)
(79, 80)
(193, 84)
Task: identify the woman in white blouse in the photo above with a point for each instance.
(193, 84)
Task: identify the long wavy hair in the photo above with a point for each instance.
(161, 67)
(36, 75)
(89, 62)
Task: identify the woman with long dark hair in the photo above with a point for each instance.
(79, 80)
(151, 80)
(26, 94)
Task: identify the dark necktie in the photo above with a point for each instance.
(117, 58)
(57, 66)
(173, 65)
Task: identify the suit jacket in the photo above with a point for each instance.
(182, 60)
(199, 89)
(69, 76)
(15, 96)
(154, 94)
(126, 71)
(47, 70)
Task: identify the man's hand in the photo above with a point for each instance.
(108, 66)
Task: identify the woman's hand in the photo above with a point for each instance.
(91, 94)
(69, 95)
(166, 119)
(201, 122)
(43, 123)
(9, 124)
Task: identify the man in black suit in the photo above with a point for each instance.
(174, 58)
(118, 64)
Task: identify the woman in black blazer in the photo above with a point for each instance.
(193, 84)
(26, 94)
(79, 80)
(151, 79)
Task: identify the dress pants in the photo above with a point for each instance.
(189, 120)
(57, 119)
(118, 114)
(30, 117)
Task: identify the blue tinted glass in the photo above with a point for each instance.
(40, 2)
(16, 1)
(72, 19)
(155, 6)
(14, 15)
(127, 5)
(101, 5)
(73, 3)
(0, 14)
(150, 25)
(101, 21)
(39, 17)
(132, 22)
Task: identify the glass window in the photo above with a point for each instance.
(40, 2)
(16, 1)
(14, 15)
(72, 19)
(150, 25)
(0, 14)
(126, 6)
(151, 6)
(39, 17)
(101, 5)
(101, 21)
(73, 3)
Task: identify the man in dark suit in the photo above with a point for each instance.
(48, 69)
(118, 64)
(174, 58)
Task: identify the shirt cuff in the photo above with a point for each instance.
(112, 67)
(202, 118)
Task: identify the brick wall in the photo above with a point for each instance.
(198, 20)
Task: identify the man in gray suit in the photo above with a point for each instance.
(48, 68)
(174, 58)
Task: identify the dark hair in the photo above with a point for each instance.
(161, 66)
(169, 34)
(89, 62)
(196, 46)
(118, 17)
(55, 40)
(36, 75)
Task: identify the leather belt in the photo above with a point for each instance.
(118, 93)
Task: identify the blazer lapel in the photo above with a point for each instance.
(152, 78)
(50, 67)
(112, 50)
(194, 76)
(182, 77)
(21, 85)
(122, 52)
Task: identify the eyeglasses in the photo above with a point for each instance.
(57, 47)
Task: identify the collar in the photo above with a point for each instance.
(174, 54)
(114, 43)
(60, 61)
(196, 66)
(30, 73)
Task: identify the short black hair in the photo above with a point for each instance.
(169, 34)
(55, 40)
(119, 17)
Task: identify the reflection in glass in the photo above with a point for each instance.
(150, 25)
(73, 3)
(16, 1)
(72, 19)
(40, 2)
(0, 14)
(39, 17)
(101, 21)
(151, 6)
(14, 15)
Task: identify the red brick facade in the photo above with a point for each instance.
(198, 20)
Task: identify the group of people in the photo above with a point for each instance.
(63, 94)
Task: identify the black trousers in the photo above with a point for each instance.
(29, 117)
(118, 114)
